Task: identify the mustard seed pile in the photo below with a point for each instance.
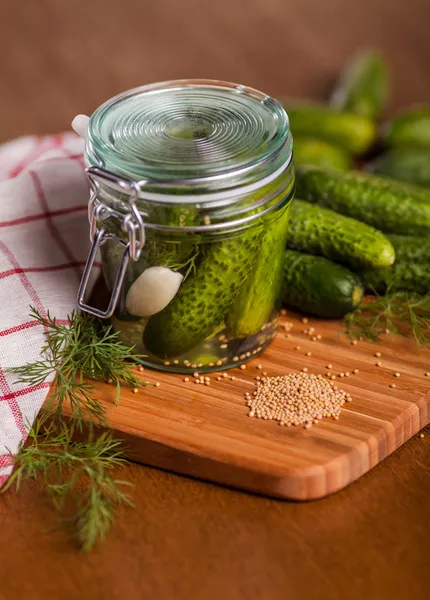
(297, 399)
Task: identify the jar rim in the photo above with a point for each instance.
(149, 133)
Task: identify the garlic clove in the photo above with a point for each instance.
(152, 291)
(80, 125)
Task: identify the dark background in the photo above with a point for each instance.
(63, 57)
(189, 540)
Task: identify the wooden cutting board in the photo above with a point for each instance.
(205, 431)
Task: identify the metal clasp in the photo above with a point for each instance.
(131, 223)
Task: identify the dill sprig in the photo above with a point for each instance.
(401, 313)
(73, 352)
(189, 265)
(75, 474)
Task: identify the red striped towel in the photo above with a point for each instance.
(43, 247)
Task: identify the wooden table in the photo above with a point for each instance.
(187, 539)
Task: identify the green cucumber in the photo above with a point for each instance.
(205, 296)
(405, 164)
(390, 206)
(410, 128)
(410, 272)
(259, 295)
(318, 286)
(312, 151)
(352, 132)
(362, 88)
(322, 231)
(411, 249)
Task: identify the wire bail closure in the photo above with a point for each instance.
(131, 223)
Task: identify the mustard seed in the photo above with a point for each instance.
(427, 374)
(421, 435)
(135, 390)
(157, 384)
(233, 378)
(296, 399)
(329, 367)
(223, 346)
(218, 363)
(304, 370)
(296, 347)
(243, 367)
(259, 366)
(218, 378)
(392, 385)
(167, 363)
(378, 354)
(319, 336)
(196, 375)
(354, 342)
(186, 379)
(378, 364)
(356, 371)
(396, 374)
(308, 354)
(305, 320)
(224, 375)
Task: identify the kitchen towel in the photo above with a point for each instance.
(43, 247)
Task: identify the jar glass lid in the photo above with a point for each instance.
(186, 129)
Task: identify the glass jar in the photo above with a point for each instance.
(191, 183)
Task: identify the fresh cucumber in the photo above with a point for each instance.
(411, 249)
(410, 272)
(321, 231)
(312, 151)
(362, 88)
(410, 128)
(352, 132)
(259, 295)
(390, 206)
(205, 296)
(412, 277)
(405, 164)
(318, 286)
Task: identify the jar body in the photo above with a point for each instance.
(191, 183)
(226, 306)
